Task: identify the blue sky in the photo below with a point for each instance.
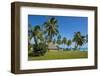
(67, 24)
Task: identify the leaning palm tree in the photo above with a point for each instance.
(33, 33)
(51, 28)
(64, 41)
(78, 39)
(39, 48)
(37, 34)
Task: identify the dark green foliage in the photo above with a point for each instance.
(69, 42)
(79, 40)
(40, 49)
(51, 29)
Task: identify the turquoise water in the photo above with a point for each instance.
(83, 49)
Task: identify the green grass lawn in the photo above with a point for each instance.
(54, 54)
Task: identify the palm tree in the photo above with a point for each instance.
(59, 41)
(78, 39)
(37, 34)
(51, 28)
(40, 47)
(29, 36)
(54, 41)
(69, 42)
(64, 41)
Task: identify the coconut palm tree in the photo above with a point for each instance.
(29, 36)
(59, 41)
(64, 41)
(40, 47)
(78, 39)
(37, 34)
(51, 28)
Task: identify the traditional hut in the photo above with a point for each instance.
(52, 46)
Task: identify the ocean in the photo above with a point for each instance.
(83, 49)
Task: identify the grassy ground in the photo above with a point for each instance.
(54, 54)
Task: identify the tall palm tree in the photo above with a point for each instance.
(51, 28)
(64, 41)
(40, 47)
(37, 34)
(78, 39)
(59, 41)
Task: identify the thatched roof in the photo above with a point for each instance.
(52, 46)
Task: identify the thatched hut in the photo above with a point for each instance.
(52, 46)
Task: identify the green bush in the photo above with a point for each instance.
(40, 49)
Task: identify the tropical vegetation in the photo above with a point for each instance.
(48, 33)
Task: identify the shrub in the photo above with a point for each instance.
(40, 49)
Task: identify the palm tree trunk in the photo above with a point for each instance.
(65, 46)
(79, 48)
(35, 40)
(76, 45)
